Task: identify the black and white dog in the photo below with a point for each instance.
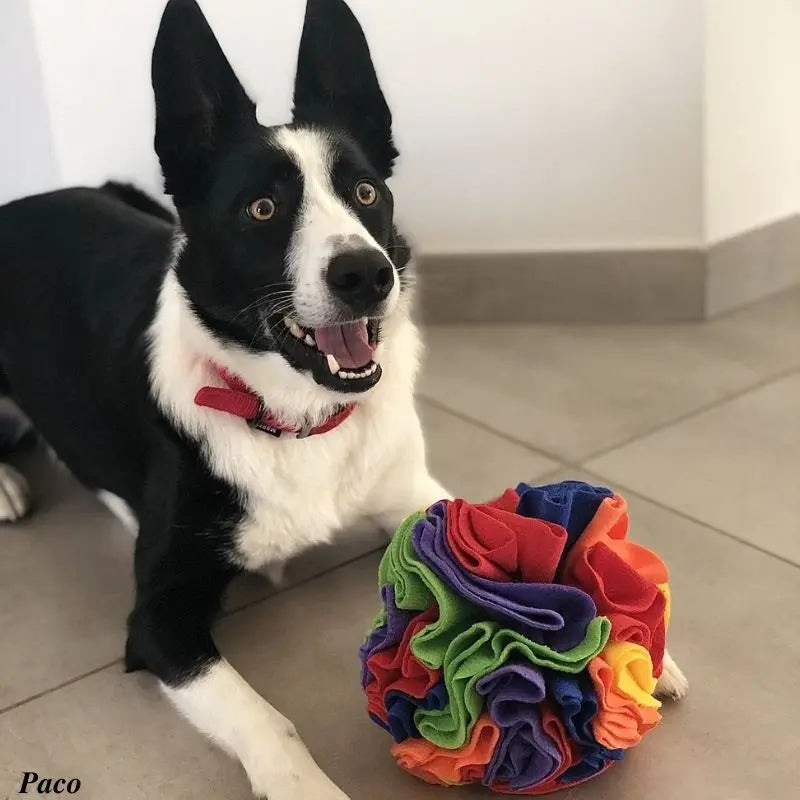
(238, 384)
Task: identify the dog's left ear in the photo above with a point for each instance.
(336, 82)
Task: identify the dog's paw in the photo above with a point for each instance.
(293, 788)
(15, 498)
(672, 683)
(293, 775)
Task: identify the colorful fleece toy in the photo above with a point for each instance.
(520, 640)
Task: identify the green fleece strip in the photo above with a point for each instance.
(480, 650)
(417, 588)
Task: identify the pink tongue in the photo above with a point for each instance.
(348, 343)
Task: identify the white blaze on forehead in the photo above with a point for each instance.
(313, 153)
(324, 226)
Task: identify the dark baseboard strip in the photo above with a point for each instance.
(753, 265)
(610, 286)
(607, 286)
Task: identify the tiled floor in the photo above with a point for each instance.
(697, 425)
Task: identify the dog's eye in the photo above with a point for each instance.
(366, 193)
(261, 210)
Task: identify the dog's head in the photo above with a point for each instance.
(290, 243)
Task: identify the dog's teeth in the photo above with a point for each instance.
(287, 321)
(333, 364)
(295, 330)
(309, 340)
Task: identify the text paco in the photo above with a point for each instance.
(48, 785)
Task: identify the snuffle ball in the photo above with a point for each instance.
(520, 640)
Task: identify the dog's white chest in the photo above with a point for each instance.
(303, 493)
(295, 493)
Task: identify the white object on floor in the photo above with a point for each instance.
(672, 683)
(120, 509)
(15, 496)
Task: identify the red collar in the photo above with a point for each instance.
(241, 401)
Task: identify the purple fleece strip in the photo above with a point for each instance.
(551, 614)
(525, 754)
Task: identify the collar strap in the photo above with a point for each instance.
(241, 401)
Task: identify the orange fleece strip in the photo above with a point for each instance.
(434, 764)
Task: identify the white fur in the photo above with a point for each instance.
(325, 226)
(222, 705)
(15, 499)
(120, 509)
(672, 683)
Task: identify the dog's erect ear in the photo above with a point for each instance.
(336, 82)
(200, 105)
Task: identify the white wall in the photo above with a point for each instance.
(27, 164)
(752, 114)
(523, 124)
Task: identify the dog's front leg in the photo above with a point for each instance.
(181, 573)
(406, 485)
(219, 702)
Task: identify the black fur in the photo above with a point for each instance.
(138, 199)
(202, 111)
(80, 271)
(16, 433)
(349, 96)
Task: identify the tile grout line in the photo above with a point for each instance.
(63, 685)
(604, 451)
(581, 465)
(225, 615)
(302, 582)
(478, 423)
(713, 528)
(489, 429)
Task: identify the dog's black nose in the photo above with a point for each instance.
(361, 279)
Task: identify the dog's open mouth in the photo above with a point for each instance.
(339, 357)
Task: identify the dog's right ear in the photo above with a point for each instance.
(336, 82)
(200, 105)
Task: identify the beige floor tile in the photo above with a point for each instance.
(120, 737)
(576, 390)
(736, 466)
(472, 462)
(65, 586)
(734, 737)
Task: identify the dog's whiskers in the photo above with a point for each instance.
(284, 298)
